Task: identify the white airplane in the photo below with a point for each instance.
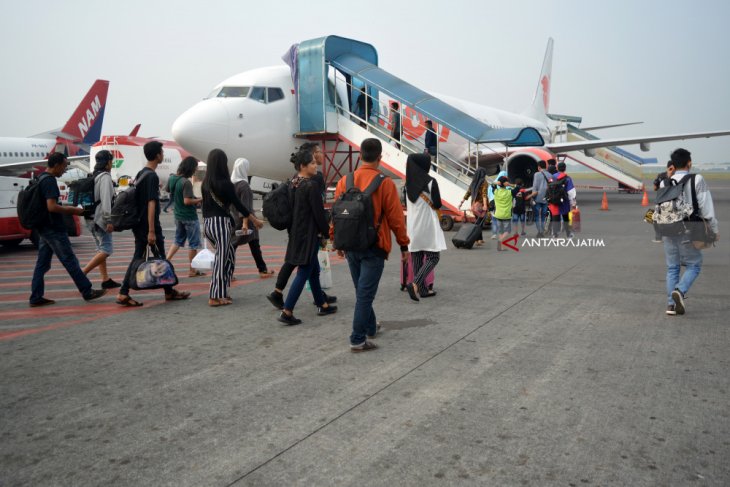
(254, 115)
(18, 155)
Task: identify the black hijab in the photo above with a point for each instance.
(417, 178)
(476, 182)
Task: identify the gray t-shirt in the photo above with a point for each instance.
(540, 184)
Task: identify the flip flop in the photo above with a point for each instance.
(266, 274)
(177, 295)
(411, 288)
(196, 273)
(214, 303)
(128, 302)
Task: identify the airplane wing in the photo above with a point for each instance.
(561, 147)
(18, 168)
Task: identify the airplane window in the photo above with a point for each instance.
(275, 94)
(258, 93)
(233, 92)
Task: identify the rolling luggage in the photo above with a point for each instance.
(468, 234)
(406, 275)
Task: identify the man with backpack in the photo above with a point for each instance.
(147, 230)
(99, 223)
(560, 196)
(540, 181)
(367, 208)
(53, 236)
(679, 249)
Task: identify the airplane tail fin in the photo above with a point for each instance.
(541, 102)
(135, 130)
(84, 126)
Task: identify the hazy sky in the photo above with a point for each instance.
(661, 62)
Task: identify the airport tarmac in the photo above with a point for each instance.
(549, 366)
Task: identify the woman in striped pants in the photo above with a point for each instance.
(218, 195)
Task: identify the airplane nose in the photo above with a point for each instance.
(202, 128)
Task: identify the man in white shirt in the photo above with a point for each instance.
(680, 249)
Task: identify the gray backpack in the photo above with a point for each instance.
(672, 211)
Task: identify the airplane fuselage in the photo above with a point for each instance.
(19, 149)
(244, 124)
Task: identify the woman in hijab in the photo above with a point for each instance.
(423, 201)
(239, 178)
(478, 193)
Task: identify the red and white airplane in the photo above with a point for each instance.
(21, 156)
(18, 155)
(129, 156)
(254, 115)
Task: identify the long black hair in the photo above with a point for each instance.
(187, 167)
(217, 175)
(477, 182)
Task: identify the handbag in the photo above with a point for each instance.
(700, 233)
(152, 272)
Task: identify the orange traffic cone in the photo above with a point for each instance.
(604, 202)
(645, 199)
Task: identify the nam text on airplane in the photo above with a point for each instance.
(83, 128)
(254, 115)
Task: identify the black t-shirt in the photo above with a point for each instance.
(49, 189)
(148, 189)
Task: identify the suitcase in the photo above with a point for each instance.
(467, 234)
(406, 275)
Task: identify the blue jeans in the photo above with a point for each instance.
(309, 272)
(366, 269)
(188, 230)
(540, 210)
(56, 242)
(679, 250)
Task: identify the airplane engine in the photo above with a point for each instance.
(523, 164)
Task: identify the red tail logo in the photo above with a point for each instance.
(545, 82)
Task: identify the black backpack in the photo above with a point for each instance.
(32, 207)
(277, 206)
(556, 192)
(353, 216)
(126, 212)
(81, 193)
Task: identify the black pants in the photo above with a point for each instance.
(284, 274)
(140, 248)
(258, 257)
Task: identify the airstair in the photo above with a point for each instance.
(613, 162)
(328, 115)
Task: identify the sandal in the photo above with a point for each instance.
(411, 288)
(196, 273)
(214, 303)
(266, 274)
(429, 295)
(176, 295)
(129, 302)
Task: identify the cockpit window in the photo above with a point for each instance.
(258, 93)
(233, 92)
(275, 94)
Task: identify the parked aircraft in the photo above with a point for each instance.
(83, 128)
(254, 115)
(129, 156)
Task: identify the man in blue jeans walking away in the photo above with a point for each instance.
(366, 267)
(680, 250)
(53, 238)
(540, 182)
